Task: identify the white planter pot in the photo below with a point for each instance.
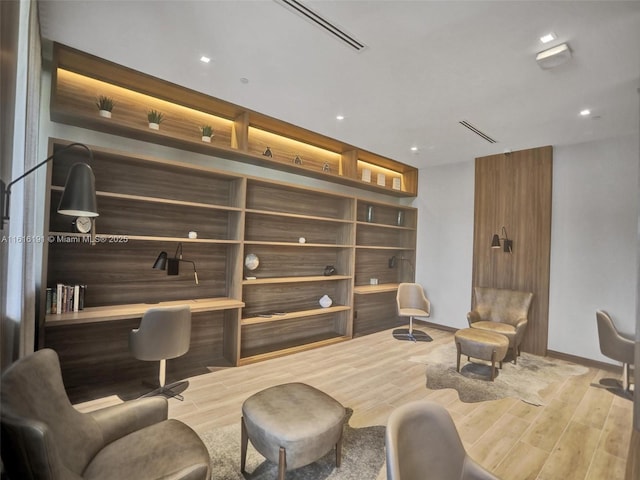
(154, 126)
(206, 139)
(104, 113)
(325, 301)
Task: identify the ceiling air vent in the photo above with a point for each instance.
(305, 12)
(464, 123)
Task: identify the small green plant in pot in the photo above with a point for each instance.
(207, 133)
(105, 106)
(155, 119)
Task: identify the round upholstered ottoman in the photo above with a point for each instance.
(483, 345)
(293, 425)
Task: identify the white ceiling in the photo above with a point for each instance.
(427, 66)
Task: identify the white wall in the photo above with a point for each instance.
(593, 254)
(445, 240)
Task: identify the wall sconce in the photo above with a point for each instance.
(172, 265)
(79, 195)
(506, 243)
(393, 262)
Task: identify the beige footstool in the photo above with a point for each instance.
(293, 425)
(482, 345)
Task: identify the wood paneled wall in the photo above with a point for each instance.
(514, 190)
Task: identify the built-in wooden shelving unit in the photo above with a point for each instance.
(149, 205)
(239, 134)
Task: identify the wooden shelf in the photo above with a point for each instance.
(239, 133)
(317, 278)
(286, 348)
(291, 315)
(372, 289)
(110, 313)
(297, 215)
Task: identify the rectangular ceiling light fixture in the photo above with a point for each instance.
(466, 124)
(305, 12)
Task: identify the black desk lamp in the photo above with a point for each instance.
(172, 265)
(78, 197)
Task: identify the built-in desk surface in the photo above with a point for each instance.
(136, 310)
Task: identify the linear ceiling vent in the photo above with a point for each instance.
(305, 12)
(464, 123)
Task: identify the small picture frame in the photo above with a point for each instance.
(382, 180)
(366, 175)
(397, 183)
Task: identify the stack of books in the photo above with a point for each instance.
(65, 298)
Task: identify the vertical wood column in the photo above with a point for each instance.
(514, 190)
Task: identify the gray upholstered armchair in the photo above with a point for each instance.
(502, 311)
(45, 438)
(422, 443)
(615, 344)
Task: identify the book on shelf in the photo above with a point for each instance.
(65, 298)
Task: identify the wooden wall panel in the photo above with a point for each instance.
(514, 190)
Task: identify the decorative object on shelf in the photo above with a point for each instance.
(382, 181)
(369, 213)
(325, 301)
(397, 183)
(79, 194)
(83, 224)
(302, 240)
(267, 153)
(400, 218)
(373, 281)
(251, 263)
(329, 270)
(155, 118)
(326, 167)
(507, 244)
(172, 265)
(393, 262)
(193, 234)
(105, 106)
(366, 175)
(207, 133)
(297, 160)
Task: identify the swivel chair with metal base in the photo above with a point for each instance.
(615, 345)
(164, 333)
(412, 302)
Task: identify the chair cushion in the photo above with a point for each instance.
(166, 450)
(505, 329)
(412, 312)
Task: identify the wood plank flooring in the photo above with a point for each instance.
(582, 432)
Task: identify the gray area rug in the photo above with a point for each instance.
(362, 457)
(531, 375)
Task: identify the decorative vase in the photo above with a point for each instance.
(369, 213)
(206, 139)
(154, 126)
(400, 218)
(104, 113)
(325, 301)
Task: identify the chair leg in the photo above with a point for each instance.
(162, 372)
(625, 376)
(493, 365)
(339, 452)
(244, 441)
(459, 349)
(282, 463)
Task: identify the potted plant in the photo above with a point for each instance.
(105, 105)
(155, 118)
(207, 133)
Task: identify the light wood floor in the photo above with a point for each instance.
(582, 432)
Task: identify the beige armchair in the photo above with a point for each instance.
(45, 438)
(502, 311)
(615, 344)
(422, 443)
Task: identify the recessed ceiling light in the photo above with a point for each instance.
(204, 59)
(548, 37)
(586, 112)
(244, 80)
(414, 149)
(339, 117)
